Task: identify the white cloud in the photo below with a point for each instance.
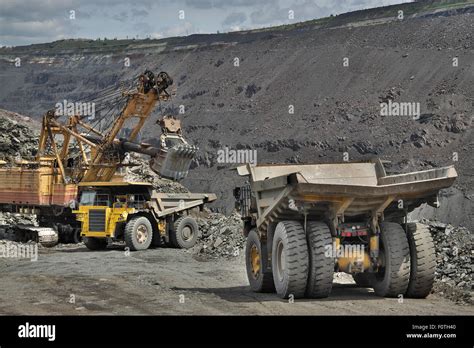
(33, 21)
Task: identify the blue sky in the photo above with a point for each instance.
(35, 21)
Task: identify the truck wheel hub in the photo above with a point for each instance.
(281, 260)
(187, 233)
(255, 261)
(142, 234)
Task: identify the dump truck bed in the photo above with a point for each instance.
(169, 203)
(160, 202)
(351, 188)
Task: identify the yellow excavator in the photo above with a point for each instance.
(74, 155)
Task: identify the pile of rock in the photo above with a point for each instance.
(17, 139)
(454, 251)
(17, 219)
(142, 173)
(221, 236)
(11, 219)
(9, 243)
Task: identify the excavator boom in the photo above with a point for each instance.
(101, 154)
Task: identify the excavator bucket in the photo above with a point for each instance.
(175, 155)
(174, 163)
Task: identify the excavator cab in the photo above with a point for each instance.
(175, 155)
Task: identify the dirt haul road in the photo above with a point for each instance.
(73, 280)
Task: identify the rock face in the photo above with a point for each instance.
(334, 108)
(18, 136)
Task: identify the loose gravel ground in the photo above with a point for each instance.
(156, 281)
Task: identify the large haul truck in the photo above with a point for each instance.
(304, 222)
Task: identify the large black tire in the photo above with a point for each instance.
(95, 243)
(321, 266)
(138, 233)
(260, 279)
(76, 237)
(362, 280)
(393, 279)
(185, 233)
(157, 240)
(290, 260)
(423, 260)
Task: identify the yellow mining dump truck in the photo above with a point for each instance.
(135, 213)
(304, 222)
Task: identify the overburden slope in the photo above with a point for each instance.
(336, 107)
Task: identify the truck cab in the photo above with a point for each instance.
(104, 209)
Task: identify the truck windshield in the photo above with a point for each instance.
(87, 198)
